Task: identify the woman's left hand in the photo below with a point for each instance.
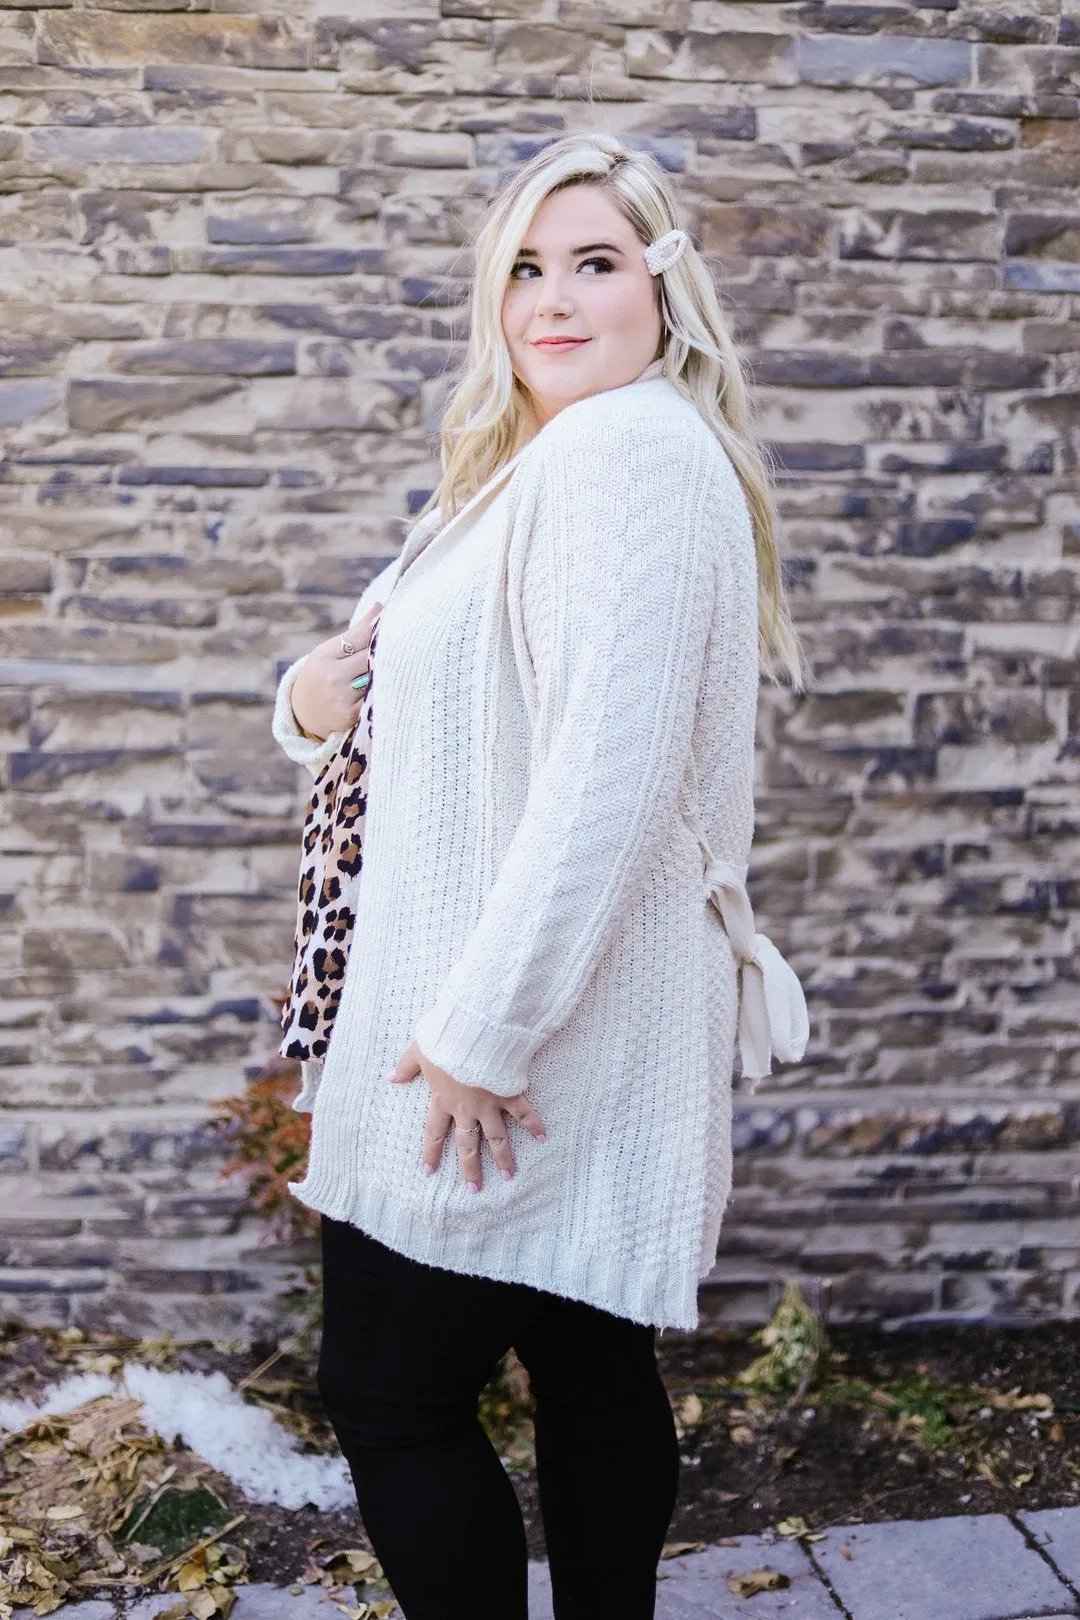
(465, 1108)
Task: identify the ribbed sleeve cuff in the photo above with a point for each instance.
(310, 1075)
(304, 750)
(475, 1051)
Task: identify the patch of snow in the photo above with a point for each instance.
(244, 1442)
(73, 1391)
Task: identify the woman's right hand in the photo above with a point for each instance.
(323, 700)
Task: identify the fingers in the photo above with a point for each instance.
(488, 1122)
(467, 1134)
(357, 663)
(525, 1114)
(494, 1127)
(358, 633)
(436, 1128)
(491, 1118)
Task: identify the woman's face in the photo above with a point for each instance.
(581, 275)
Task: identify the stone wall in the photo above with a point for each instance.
(231, 282)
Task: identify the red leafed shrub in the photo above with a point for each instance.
(269, 1142)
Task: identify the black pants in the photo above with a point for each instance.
(407, 1349)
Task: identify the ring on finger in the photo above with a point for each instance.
(360, 682)
(467, 1130)
(347, 647)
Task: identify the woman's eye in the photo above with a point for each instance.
(604, 264)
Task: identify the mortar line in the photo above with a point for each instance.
(826, 1582)
(1032, 1541)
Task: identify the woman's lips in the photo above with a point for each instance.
(559, 343)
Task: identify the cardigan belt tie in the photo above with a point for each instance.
(773, 1020)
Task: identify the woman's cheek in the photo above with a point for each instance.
(621, 305)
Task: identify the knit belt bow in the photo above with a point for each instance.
(773, 1020)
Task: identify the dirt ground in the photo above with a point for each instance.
(893, 1425)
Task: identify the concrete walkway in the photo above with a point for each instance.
(994, 1567)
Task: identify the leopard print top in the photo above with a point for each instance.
(330, 865)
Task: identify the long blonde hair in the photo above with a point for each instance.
(488, 419)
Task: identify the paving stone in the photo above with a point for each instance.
(92, 1609)
(951, 1569)
(262, 1601)
(1057, 1530)
(694, 1587)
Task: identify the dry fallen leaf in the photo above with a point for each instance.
(1013, 1401)
(1023, 1478)
(358, 1559)
(846, 1552)
(742, 1436)
(675, 1549)
(690, 1411)
(757, 1580)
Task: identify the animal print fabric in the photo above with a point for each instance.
(332, 855)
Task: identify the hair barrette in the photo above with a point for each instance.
(666, 251)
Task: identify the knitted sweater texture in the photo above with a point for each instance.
(566, 690)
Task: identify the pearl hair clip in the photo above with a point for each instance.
(666, 251)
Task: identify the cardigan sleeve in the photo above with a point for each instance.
(307, 750)
(617, 592)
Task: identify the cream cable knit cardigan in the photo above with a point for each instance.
(562, 775)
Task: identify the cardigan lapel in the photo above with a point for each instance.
(422, 536)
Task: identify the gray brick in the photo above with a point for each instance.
(1042, 278)
(111, 403)
(20, 401)
(231, 357)
(840, 59)
(131, 144)
(263, 260)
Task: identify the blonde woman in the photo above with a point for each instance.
(521, 1123)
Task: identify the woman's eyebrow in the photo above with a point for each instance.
(590, 247)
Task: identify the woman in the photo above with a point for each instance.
(552, 927)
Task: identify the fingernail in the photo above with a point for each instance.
(472, 1186)
(390, 1076)
(542, 1137)
(507, 1175)
(429, 1169)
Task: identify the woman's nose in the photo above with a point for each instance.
(553, 297)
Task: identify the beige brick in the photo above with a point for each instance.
(101, 39)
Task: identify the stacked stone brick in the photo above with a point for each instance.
(231, 285)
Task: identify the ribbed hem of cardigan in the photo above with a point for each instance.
(474, 1050)
(611, 1282)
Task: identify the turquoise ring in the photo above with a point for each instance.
(360, 682)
